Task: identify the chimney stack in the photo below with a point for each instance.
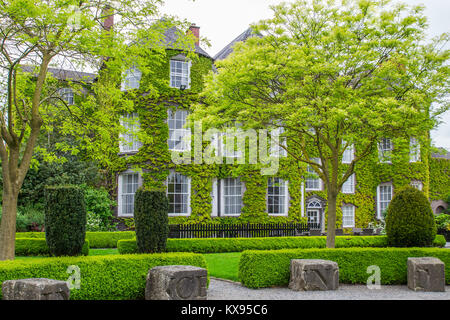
(108, 14)
(195, 30)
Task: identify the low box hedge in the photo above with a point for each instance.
(219, 245)
(38, 247)
(96, 239)
(119, 277)
(267, 268)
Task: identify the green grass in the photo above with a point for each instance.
(223, 265)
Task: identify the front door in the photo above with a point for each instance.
(313, 219)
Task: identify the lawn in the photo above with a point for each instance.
(223, 265)
(220, 265)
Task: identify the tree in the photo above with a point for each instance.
(69, 33)
(334, 75)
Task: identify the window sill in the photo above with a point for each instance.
(179, 214)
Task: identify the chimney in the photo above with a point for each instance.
(108, 14)
(196, 32)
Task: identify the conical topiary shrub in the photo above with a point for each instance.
(151, 219)
(410, 220)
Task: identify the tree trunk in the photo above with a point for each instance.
(331, 225)
(8, 224)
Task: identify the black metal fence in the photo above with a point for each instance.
(249, 230)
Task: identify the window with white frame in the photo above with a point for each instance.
(349, 153)
(132, 79)
(417, 184)
(180, 74)
(348, 216)
(349, 185)
(67, 95)
(277, 196)
(414, 150)
(385, 148)
(179, 135)
(276, 149)
(384, 197)
(178, 192)
(129, 141)
(128, 183)
(231, 200)
(313, 182)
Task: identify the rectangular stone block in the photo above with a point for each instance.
(176, 283)
(35, 289)
(426, 274)
(313, 275)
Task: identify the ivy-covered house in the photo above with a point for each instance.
(230, 191)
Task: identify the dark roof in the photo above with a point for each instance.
(171, 36)
(225, 52)
(66, 75)
(442, 156)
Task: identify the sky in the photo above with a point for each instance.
(221, 21)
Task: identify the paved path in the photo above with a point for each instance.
(447, 245)
(228, 290)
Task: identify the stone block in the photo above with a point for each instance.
(313, 274)
(426, 274)
(176, 283)
(35, 289)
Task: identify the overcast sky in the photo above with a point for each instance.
(223, 20)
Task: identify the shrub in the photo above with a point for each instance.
(99, 215)
(96, 239)
(38, 247)
(102, 277)
(65, 220)
(259, 269)
(410, 220)
(151, 219)
(218, 245)
(442, 221)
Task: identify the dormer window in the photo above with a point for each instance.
(180, 74)
(132, 79)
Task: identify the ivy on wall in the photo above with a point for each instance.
(439, 178)
(154, 159)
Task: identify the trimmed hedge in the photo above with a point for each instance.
(218, 245)
(102, 277)
(100, 239)
(260, 269)
(410, 220)
(65, 220)
(38, 247)
(152, 220)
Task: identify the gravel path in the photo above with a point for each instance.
(228, 290)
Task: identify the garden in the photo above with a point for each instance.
(114, 264)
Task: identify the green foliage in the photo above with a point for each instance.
(218, 245)
(65, 220)
(152, 223)
(114, 277)
(30, 217)
(38, 247)
(439, 179)
(410, 219)
(442, 221)
(96, 239)
(98, 209)
(71, 171)
(260, 269)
